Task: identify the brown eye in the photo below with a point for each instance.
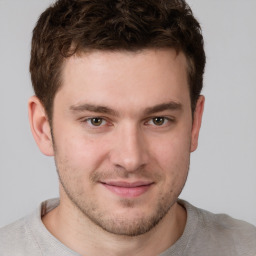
(96, 121)
(158, 120)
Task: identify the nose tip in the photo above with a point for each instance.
(129, 152)
(129, 164)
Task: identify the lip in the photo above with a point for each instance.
(128, 189)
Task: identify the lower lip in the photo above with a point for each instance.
(128, 192)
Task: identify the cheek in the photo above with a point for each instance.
(172, 149)
(76, 158)
(78, 150)
(172, 155)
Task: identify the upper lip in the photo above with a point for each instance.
(126, 184)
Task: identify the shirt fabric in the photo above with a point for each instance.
(205, 234)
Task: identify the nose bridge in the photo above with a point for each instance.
(129, 151)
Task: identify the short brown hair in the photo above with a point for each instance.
(72, 26)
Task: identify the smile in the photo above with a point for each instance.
(126, 189)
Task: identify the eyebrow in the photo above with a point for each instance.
(172, 105)
(93, 108)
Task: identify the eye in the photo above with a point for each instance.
(96, 121)
(159, 121)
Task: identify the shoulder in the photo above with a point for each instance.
(12, 231)
(29, 236)
(225, 223)
(17, 239)
(226, 233)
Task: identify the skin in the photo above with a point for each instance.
(121, 173)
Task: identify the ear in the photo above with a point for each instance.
(197, 120)
(40, 126)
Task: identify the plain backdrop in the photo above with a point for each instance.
(223, 170)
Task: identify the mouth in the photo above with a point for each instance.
(128, 189)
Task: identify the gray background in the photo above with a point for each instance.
(223, 170)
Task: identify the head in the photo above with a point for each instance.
(116, 85)
(72, 27)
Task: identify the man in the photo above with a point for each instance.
(118, 105)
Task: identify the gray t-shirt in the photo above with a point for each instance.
(205, 234)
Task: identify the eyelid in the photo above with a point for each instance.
(103, 121)
(168, 121)
(87, 120)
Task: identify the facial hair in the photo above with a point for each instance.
(112, 222)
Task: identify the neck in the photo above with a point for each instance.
(78, 233)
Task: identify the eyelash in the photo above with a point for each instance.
(88, 121)
(105, 122)
(165, 123)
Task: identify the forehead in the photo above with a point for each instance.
(122, 78)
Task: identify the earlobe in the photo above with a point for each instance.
(197, 120)
(40, 126)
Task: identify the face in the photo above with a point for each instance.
(122, 130)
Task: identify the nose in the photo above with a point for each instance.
(129, 150)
